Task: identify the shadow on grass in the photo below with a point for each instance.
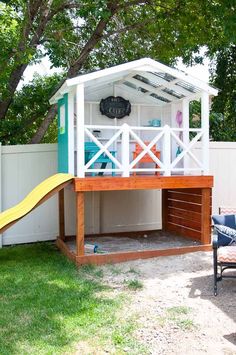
(46, 304)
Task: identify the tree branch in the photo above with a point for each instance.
(44, 125)
(18, 71)
(137, 25)
(73, 70)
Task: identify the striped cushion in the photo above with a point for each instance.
(227, 254)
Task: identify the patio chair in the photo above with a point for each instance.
(224, 247)
(146, 158)
(90, 150)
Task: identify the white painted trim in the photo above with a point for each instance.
(103, 148)
(125, 150)
(71, 143)
(205, 108)
(90, 113)
(186, 149)
(222, 145)
(167, 151)
(80, 129)
(146, 149)
(185, 125)
(143, 65)
(29, 148)
(133, 104)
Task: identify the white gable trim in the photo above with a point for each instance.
(142, 65)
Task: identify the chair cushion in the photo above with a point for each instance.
(226, 235)
(225, 226)
(227, 254)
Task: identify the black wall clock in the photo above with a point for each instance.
(115, 107)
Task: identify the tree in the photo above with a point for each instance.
(223, 127)
(28, 110)
(86, 35)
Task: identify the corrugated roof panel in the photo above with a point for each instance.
(174, 93)
(161, 98)
(187, 86)
(135, 87)
(164, 76)
(146, 81)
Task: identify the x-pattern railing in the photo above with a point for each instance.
(186, 149)
(163, 135)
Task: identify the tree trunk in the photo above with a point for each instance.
(73, 70)
(44, 125)
(13, 82)
(17, 73)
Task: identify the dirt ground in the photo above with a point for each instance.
(176, 310)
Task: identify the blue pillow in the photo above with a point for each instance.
(225, 226)
(226, 235)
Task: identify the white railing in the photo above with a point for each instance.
(166, 138)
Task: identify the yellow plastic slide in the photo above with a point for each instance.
(41, 192)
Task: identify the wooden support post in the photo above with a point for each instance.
(61, 214)
(80, 223)
(164, 209)
(206, 216)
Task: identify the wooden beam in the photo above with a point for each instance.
(80, 223)
(206, 216)
(61, 214)
(65, 250)
(99, 259)
(142, 183)
(164, 202)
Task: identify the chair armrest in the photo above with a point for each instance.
(215, 241)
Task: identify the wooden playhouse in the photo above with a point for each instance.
(127, 128)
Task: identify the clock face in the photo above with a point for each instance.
(115, 107)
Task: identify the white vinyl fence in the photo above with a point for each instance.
(223, 168)
(23, 167)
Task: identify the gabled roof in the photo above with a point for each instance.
(155, 81)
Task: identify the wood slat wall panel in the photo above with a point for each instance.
(184, 197)
(185, 222)
(188, 191)
(190, 215)
(187, 206)
(187, 213)
(184, 231)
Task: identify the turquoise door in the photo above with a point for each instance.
(63, 134)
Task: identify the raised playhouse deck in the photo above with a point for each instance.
(186, 211)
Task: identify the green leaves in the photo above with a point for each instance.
(224, 77)
(65, 31)
(28, 110)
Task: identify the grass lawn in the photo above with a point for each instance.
(48, 306)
